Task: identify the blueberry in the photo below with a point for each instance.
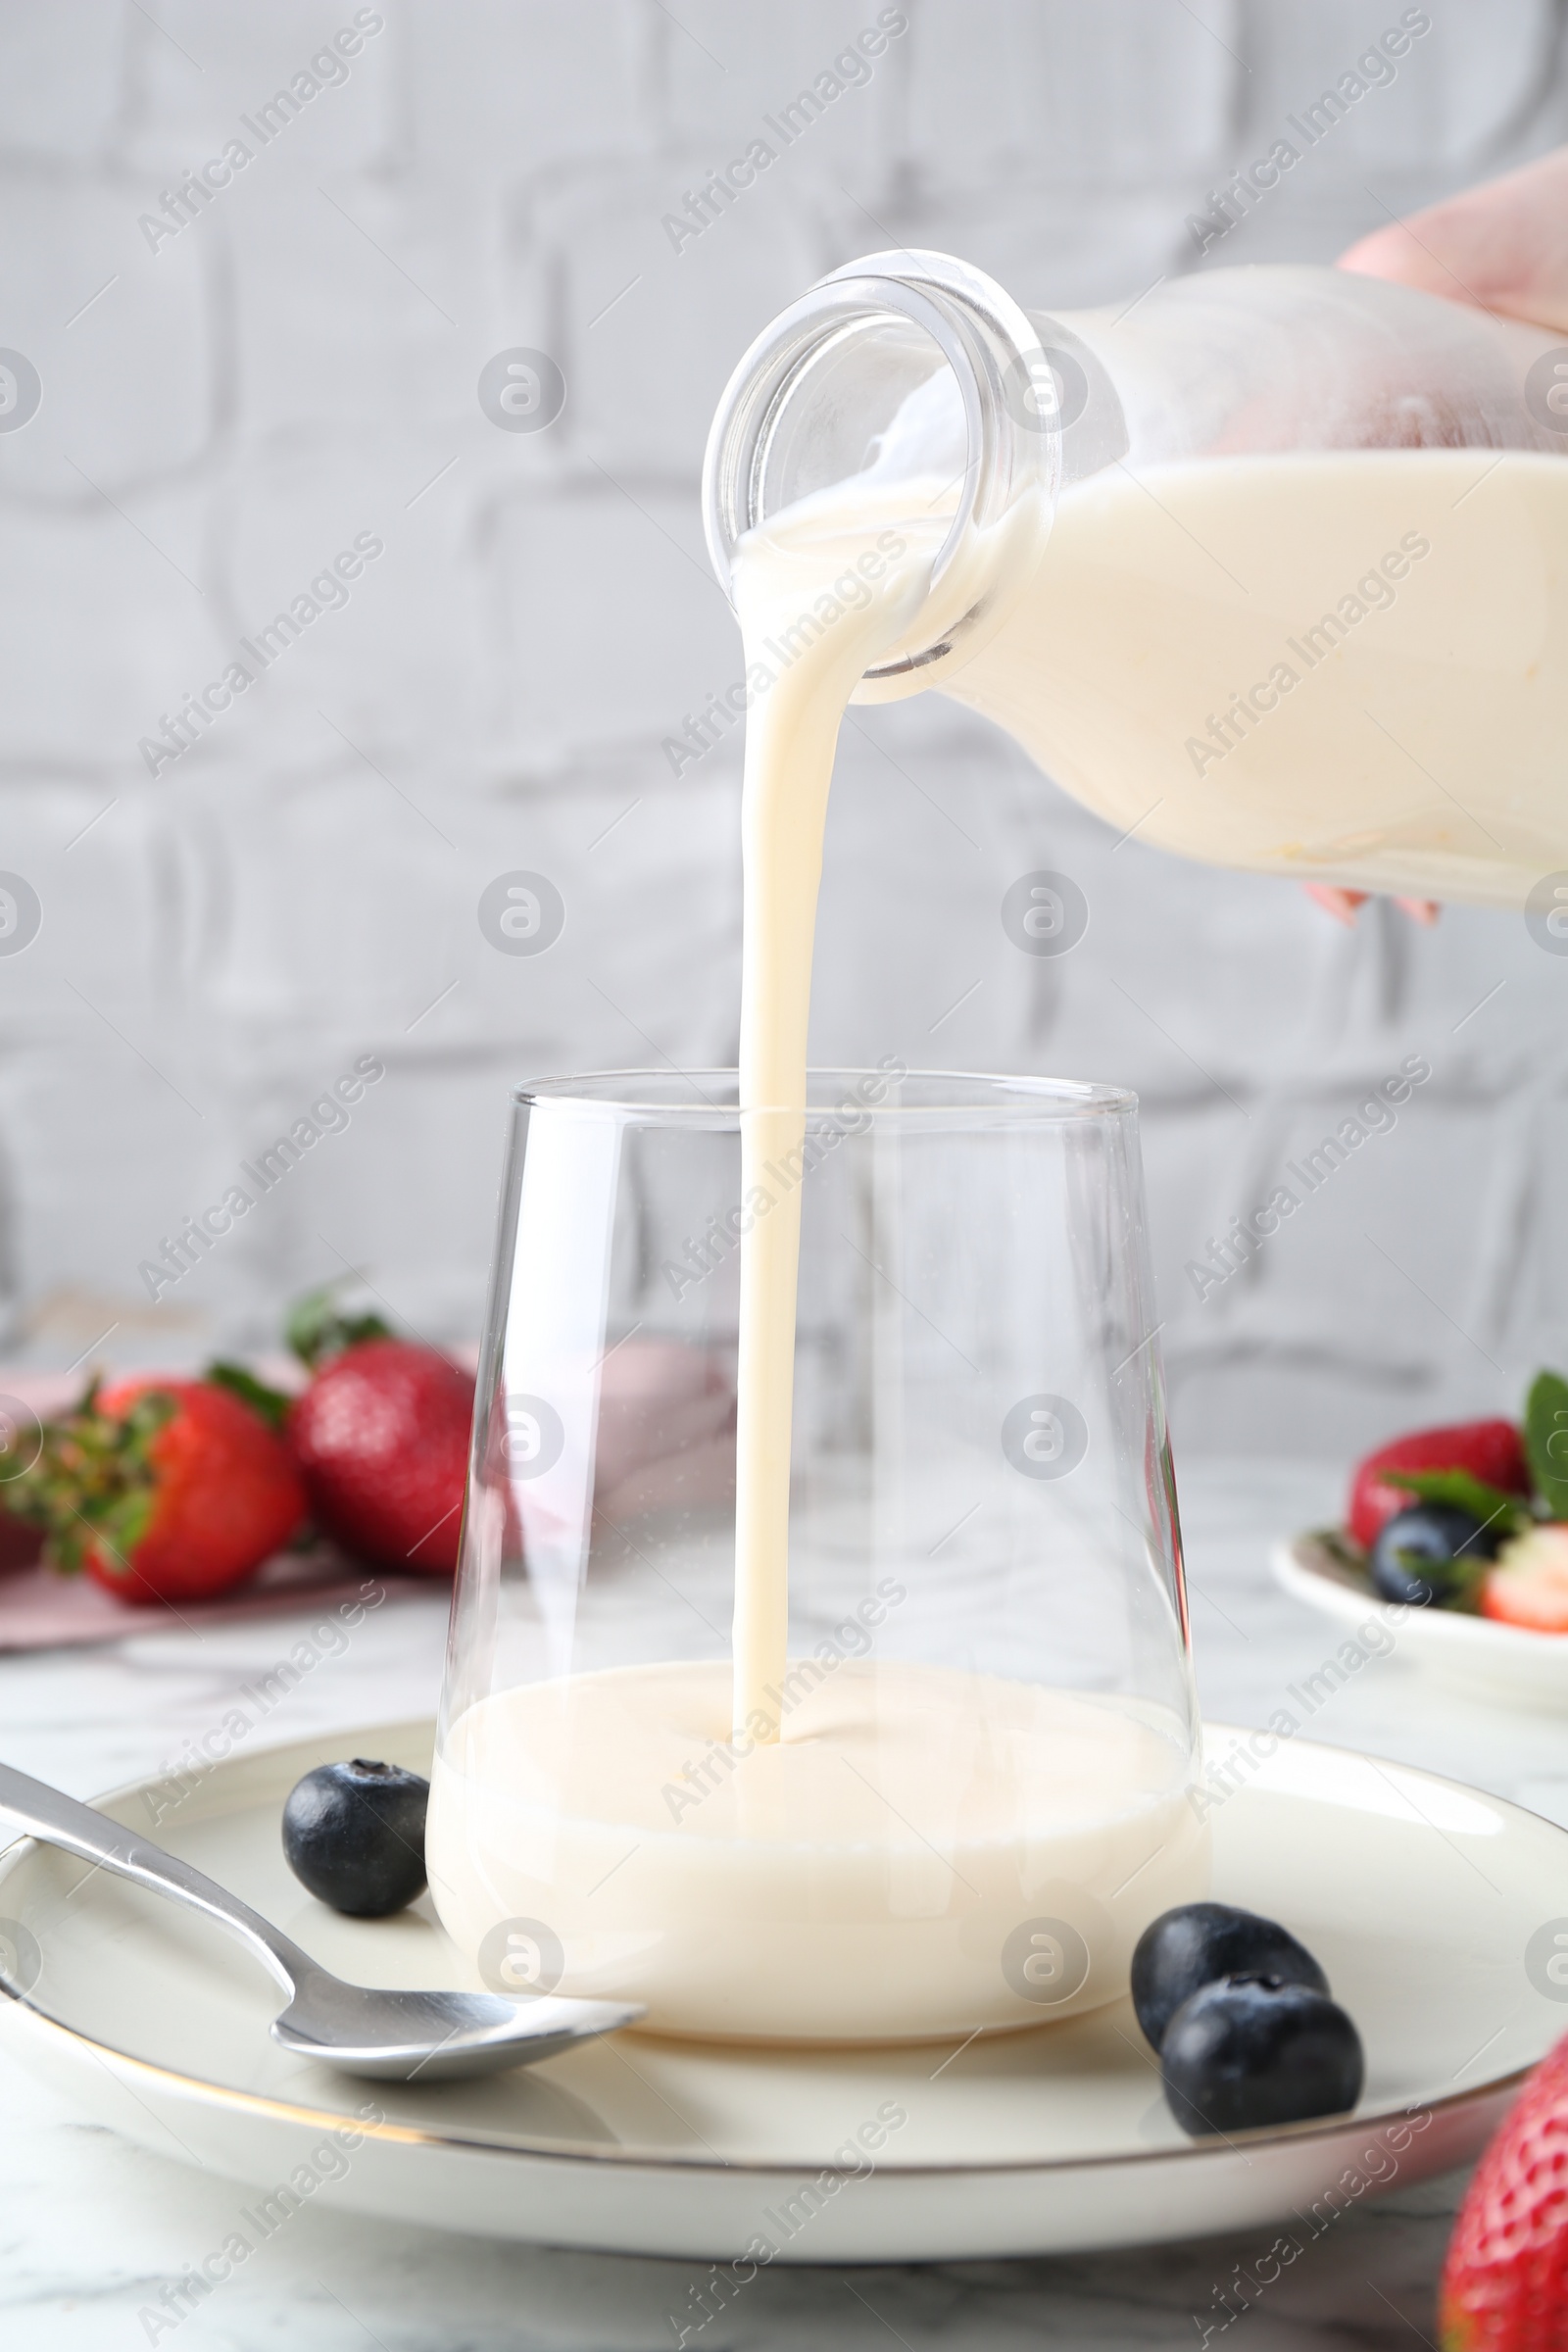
(354, 1834)
(1253, 2050)
(1431, 1557)
(1191, 1946)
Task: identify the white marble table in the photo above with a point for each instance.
(91, 2226)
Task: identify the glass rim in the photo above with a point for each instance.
(698, 1097)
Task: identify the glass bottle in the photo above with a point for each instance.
(1272, 564)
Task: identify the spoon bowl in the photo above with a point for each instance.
(392, 2036)
(435, 2036)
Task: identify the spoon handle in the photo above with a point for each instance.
(59, 1820)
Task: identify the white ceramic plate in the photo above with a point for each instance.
(1494, 1661)
(1419, 1896)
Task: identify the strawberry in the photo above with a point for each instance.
(1492, 1451)
(1529, 1586)
(162, 1489)
(1505, 2281)
(381, 1439)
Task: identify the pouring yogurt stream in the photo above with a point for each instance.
(1314, 591)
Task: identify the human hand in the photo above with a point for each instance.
(1502, 247)
(1343, 904)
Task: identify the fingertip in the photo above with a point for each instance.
(1383, 253)
(1340, 903)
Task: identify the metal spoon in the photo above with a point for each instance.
(395, 2036)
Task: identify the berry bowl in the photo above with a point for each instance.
(1506, 1663)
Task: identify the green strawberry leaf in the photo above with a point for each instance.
(1547, 1440)
(316, 1328)
(1342, 1551)
(1456, 1586)
(271, 1404)
(119, 1525)
(94, 1481)
(1510, 1513)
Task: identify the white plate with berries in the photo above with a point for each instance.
(1455, 1544)
(1404, 1924)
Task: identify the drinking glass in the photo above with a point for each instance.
(979, 1792)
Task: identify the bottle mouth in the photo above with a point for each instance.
(902, 366)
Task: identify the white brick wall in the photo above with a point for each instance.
(300, 363)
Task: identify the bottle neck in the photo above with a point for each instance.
(904, 369)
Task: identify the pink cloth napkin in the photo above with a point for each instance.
(40, 1610)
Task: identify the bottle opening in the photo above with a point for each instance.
(905, 378)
